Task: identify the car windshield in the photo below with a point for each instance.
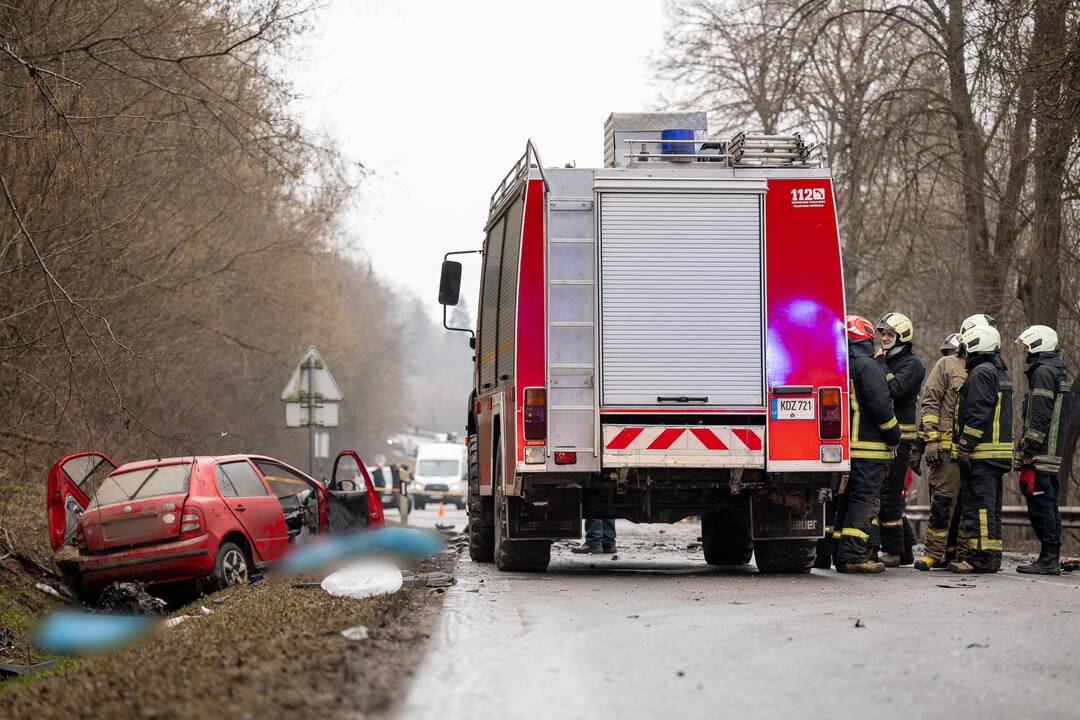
(438, 468)
(143, 483)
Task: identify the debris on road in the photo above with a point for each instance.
(428, 579)
(50, 590)
(130, 597)
(976, 645)
(356, 632)
(1070, 564)
(957, 587)
(10, 669)
(364, 579)
(174, 621)
(859, 623)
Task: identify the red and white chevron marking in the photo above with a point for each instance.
(698, 439)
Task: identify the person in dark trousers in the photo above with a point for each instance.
(599, 537)
(936, 405)
(904, 374)
(875, 435)
(982, 437)
(1038, 451)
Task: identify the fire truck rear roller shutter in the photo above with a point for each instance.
(681, 297)
(508, 297)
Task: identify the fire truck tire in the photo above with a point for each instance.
(481, 512)
(726, 539)
(788, 557)
(515, 555)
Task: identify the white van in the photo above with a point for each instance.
(440, 475)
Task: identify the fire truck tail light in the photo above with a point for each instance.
(830, 413)
(535, 414)
(565, 458)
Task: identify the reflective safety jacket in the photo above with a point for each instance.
(1046, 411)
(982, 424)
(904, 373)
(938, 400)
(873, 425)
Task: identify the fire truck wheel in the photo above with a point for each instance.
(481, 512)
(514, 555)
(790, 557)
(726, 539)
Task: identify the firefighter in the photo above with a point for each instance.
(904, 373)
(936, 406)
(1038, 451)
(875, 434)
(982, 446)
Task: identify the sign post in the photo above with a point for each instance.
(311, 397)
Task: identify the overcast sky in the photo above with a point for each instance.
(438, 98)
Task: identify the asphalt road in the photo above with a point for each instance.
(657, 633)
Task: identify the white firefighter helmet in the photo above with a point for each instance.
(1038, 338)
(899, 324)
(951, 344)
(977, 319)
(980, 339)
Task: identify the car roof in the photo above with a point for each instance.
(142, 464)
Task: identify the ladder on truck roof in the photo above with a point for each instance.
(743, 150)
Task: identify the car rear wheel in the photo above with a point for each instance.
(231, 568)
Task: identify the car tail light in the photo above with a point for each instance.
(376, 518)
(565, 458)
(191, 522)
(535, 414)
(80, 538)
(830, 413)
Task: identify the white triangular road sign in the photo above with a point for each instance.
(325, 388)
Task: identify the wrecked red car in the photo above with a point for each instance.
(208, 521)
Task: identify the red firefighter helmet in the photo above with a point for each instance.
(859, 328)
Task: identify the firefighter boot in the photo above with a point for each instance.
(1048, 563)
(863, 568)
(890, 560)
(927, 562)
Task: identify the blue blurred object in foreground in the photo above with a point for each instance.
(69, 632)
(396, 540)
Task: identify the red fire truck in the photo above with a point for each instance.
(659, 338)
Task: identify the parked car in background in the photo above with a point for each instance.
(440, 475)
(202, 521)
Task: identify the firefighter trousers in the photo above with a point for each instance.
(857, 509)
(1043, 509)
(944, 520)
(891, 517)
(979, 539)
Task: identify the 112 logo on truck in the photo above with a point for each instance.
(659, 338)
(808, 197)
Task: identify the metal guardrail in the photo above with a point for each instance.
(1011, 515)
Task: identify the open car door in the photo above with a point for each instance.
(353, 502)
(72, 482)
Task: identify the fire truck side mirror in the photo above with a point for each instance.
(450, 283)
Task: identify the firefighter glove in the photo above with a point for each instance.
(963, 459)
(932, 454)
(915, 461)
(1027, 481)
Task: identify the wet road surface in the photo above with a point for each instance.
(658, 633)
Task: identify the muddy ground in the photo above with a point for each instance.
(268, 650)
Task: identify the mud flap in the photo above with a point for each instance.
(546, 515)
(787, 516)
